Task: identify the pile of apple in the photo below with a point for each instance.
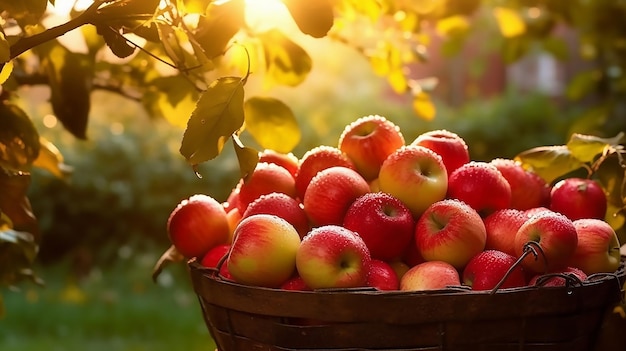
(375, 211)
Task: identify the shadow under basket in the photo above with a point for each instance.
(571, 318)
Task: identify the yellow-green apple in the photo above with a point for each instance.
(263, 252)
(556, 237)
(368, 141)
(197, 224)
(480, 185)
(330, 193)
(450, 231)
(318, 159)
(382, 276)
(501, 227)
(289, 161)
(559, 277)
(488, 268)
(384, 222)
(332, 256)
(265, 178)
(416, 176)
(528, 190)
(399, 267)
(598, 247)
(578, 198)
(283, 206)
(295, 283)
(449, 145)
(430, 275)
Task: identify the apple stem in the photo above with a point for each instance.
(530, 247)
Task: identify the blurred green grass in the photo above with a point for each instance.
(119, 308)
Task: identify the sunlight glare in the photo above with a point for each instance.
(64, 7)
(264, 14)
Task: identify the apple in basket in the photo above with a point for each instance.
(598, 247)
(430, 275)
(487, 269)
(480, 185)
(578, 198)
(317, 159)
(450, 146)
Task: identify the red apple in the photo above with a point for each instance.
(416, 176)
(368, 141)
(382, 276)
(598, 247)
(212, 258)
(487, 269)
(430, 275)
(234, 217)
(233, 198)
(384, 222)
(450, 231)
(197, 224)
(528, 190)
(578, 198)
(332, 256)
(318, 159)
(412, 255)
(263, 252)
(555, 277)
(501, 227)
(295, 283)
(330, 194)
(556, 237)
(288, 161)
(450, 146)
(480, 185)
(266, 178)
(283, 206)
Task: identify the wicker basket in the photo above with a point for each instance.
(245, 318)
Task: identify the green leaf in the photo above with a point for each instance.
(246, 156)
(286, 62)
(14, 202)
(19, 139)
(69, 76)
(582, 84)
(314, 18)
(51, 159)
(272, 123)
(218, 114)
(26, 12)
(549, 162)
(587, 148)
(222, 21)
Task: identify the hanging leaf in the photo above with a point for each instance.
(5, 71)
(221, 22)
(612, 175)
(549, 162)
(19, 139)
(272, 124)
(218, 114)
(423, 106)
(51, 159)
(26, 12)
(15, 204)
(314, 18)
(509, 21)
(587, 148)
(171, 255)
(286, 62)
(115, 41)
(246, 156)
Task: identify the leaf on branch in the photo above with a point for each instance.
(587, 148)
(286, 62)
(246, 156)
(314, 18)
(549, 162)
(116, 42)
(611, 173)
(221, 22)
(5, 71)
(51, 159)
(218, 114)
(14, 202)
(25, 12)
(509, 21)
(272, 123)
(19, 139)
(171, 255)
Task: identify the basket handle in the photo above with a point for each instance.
(531, 247)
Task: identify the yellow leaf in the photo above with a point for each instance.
(453, 26)
(7, 69)
(423, 106)
(549, 162)
(509, 21)
(272, 124)
(176, 115)
(51, 159)
(398, 81)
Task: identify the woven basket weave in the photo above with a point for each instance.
(245, 318)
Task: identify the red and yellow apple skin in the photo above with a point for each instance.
(480, 185)
(330, 193)
(416, 176)
(332, 256)
(430, 275)
(197, 224)
(450, 231)
(295, 283)
(487, 269)
(578, 198)
(556, 237)
(263, 252)
(283, 206)
(266, 178)
(384, 222)
(598, 249)
(368, 141)
(501, 227)
(450, 146)
(317, 159)
(555, 277)
(382, 276)
(528, 190)
(286, 160)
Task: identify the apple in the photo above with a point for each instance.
(265, 178)
(197, 224)
(430, 275)
(555, 277)
(598, 247)
(233, 198)
(578, 198)
(295, 283)
(528, 190)
(382, 276)
(450, 231)
(556, 237)
(487, 269)
(416, 176)
(213, 257)
(501, 227)
(412, 255)
(263, 252)
(330, 194)
(533, 211)
(384, 222)
(286, 160)
(480, 185)
(315, 160)
(283, 206)
(368, 141)
(332, 256)
(450, 146)
(400, 268)
(234, 217)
